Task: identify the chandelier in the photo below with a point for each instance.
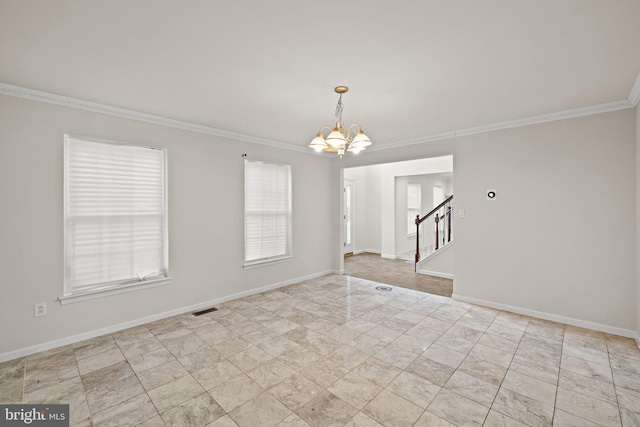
(338, 140)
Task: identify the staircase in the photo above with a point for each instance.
(434, 232)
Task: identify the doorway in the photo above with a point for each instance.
(379, 210)
(349, 229)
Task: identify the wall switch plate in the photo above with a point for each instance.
(461, 213)
(40, 309)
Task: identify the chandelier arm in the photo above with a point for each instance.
(352, 128)
(339, 140)
(323, 128)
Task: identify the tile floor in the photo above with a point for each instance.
(334, 351)
(395, 272)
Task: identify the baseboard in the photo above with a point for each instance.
(548, 316)
(137, 322)
(436, 274)
(441, 250)
(367, 251)
(409, 253)
(387, 256)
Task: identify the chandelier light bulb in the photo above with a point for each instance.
(318, 143)
(336, 138)
(361, 140)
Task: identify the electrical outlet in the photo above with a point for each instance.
(40, 309)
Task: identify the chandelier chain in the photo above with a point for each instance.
(339, 109)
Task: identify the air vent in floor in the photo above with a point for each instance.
(208, 310)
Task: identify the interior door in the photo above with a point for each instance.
(349, 229)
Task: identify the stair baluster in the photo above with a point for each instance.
(446, 227)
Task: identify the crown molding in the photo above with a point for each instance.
(634, 95)
(49, 98)
(545, 118)
(414, 141)
(94, 107)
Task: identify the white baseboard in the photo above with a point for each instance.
(548, 316)
(409, 253)
(436, 274)
(441, 250)
(368, 251)
(132, 323)
(387, 256)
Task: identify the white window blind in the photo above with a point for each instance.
(414, 197)
(115, 215)
(267, 212)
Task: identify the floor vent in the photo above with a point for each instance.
(208, 310)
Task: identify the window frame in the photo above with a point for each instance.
(288, 255)
(117, 286)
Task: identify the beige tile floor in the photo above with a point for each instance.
(334, 351)
(395, 272)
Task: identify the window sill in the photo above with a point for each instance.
(265, 262)
(112, 290)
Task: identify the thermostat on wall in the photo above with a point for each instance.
(491, 195)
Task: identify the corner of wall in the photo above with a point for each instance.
(638, 223)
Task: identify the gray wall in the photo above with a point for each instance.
(205, 221)
(548, 244)
(560, 238)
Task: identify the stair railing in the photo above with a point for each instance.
(441, 215)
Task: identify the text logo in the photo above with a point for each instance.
(34, 415)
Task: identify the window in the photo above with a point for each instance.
(438, 196)
(115, 216)
(267, 212)
(414, 195)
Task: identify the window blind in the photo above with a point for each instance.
(115, 214)
(267, 211)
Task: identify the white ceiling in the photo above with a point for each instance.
(267, 68)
